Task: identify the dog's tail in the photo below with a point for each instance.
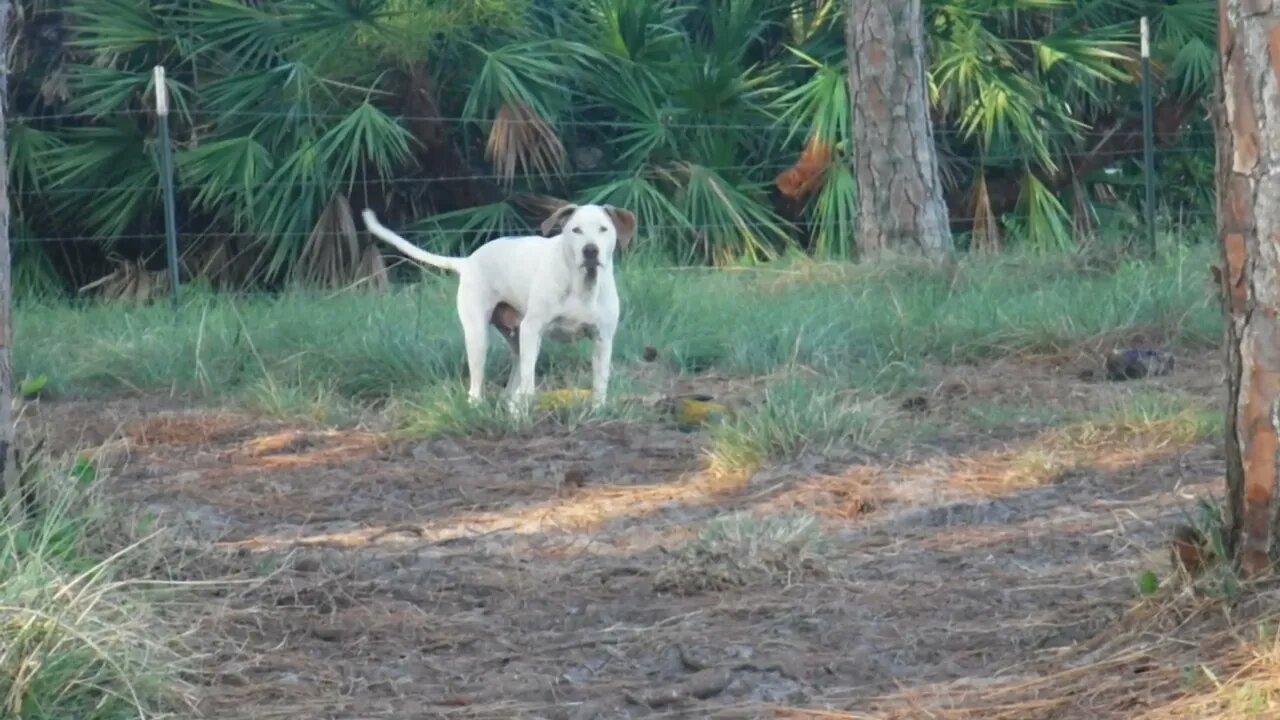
(441, 261)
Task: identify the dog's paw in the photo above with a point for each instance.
(518, 404)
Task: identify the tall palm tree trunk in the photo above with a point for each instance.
(901, 206)
(1248, 180)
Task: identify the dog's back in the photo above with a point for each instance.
(509, 265)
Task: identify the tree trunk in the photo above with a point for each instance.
(900, 201)
(1248, 180)
(8, 473)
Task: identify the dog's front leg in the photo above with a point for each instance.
(601, 362)
(530, 344)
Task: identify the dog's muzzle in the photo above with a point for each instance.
(591, 260)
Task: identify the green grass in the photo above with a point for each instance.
(849, 333)
(1170, 415)
(75, 642)
(795, 416)
(998, 415)
(1181, 418)
(444, 409)
(870, 328)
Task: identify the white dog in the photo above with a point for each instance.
(530, 286)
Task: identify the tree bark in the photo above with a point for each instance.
(8, 474)
(1248, 184)
(900, 200)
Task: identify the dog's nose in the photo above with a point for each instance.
(591, 252)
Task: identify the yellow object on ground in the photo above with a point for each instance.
(698, 412)
(560, 399)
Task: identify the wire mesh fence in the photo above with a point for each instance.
(744, 199)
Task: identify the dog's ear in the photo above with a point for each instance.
(553, 223)
(624, 221)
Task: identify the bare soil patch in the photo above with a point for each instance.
(509, 578)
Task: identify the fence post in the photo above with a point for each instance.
(1148, 138)
(166, 179)
(11, 497)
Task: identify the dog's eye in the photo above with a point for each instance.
(602, 229)
(578, 230)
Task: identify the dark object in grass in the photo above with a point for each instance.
(1190, 550)
(1134, 364)
(916, 403)
(575, 477)
(650, 353)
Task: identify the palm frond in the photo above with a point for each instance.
(1181, 21)
(108, 174)
(30, 149)
(412, 30)
(332, 256)
(533, 74)
(639, 31)
(109, 28)
(365, 135)
(1047, 221)
(835, 214)
(301, 187)
(730, 224)
(635, 96)
(519, 138)
(235, 94)
(820, 107)
(241, 36)
(1095, 54)
(1193, 67)
(228, 173)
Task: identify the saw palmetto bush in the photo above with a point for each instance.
(724, 124)
(277, 114)
(1038, 108)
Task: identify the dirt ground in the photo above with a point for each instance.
(514, 578)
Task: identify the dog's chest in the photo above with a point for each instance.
(562, 330)
(575, 321)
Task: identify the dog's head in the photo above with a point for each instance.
(590, 234)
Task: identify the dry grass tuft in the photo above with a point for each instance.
(741, 550)
(75, 640)
(182, 429)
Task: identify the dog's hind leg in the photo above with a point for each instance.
(475, 334)
(507, 321)
(513, 341)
